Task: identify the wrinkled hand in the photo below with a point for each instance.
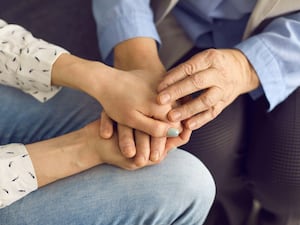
(219, 76)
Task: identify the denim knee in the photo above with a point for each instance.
(179, 190)
(193, 188)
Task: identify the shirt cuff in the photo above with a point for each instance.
(124, 28)
(37, 82)
(17, 175)
(267, 69)
(26, 61)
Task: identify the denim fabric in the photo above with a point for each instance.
(180, 190)
(25, 120)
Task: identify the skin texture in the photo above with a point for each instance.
(219, 76)
(76, 152)
(84, 148)
(141, 54)
(119, 99)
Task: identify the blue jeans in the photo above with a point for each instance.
(180, 190)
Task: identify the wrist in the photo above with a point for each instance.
(138, 54)
(250, 76)
(69, 153)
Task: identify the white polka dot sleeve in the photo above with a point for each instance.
(26, 62)
(17, 175)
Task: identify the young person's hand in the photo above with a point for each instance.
(75, 152)
(126, 97)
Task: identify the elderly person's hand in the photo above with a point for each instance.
(219, 76)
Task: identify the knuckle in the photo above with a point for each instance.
(179, 92)
(126, 144)
(159, 130)
(187, 110)
(197, 81)
(214, 112)
(188, 68)
(124, 137)
(212, 53)
(215, 57)
(207, 100)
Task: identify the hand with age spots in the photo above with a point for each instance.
(219, 76)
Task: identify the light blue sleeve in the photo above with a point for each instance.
(119, 20)
(275, 55)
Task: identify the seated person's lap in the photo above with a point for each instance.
(23, 119)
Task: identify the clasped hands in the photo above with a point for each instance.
(147, 143)
(217, 76)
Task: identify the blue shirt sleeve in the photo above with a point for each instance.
(120, 20)
(274, 54)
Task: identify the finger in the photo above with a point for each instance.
(203, 102)
(195, 64)
(182, 139)
(129, 164)
(190, 84)
(203, 118)
(157, 148)
(142, 141)
(153, 127)
(106, 126)
(126, 141)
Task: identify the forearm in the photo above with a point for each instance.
(119, 20)
(88, 76)
(61, 157)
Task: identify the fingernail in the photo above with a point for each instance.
(175, 116)
(164, 98)
(173, 132)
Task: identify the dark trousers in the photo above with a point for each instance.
(253, 154)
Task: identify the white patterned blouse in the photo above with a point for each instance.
(25, 63)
